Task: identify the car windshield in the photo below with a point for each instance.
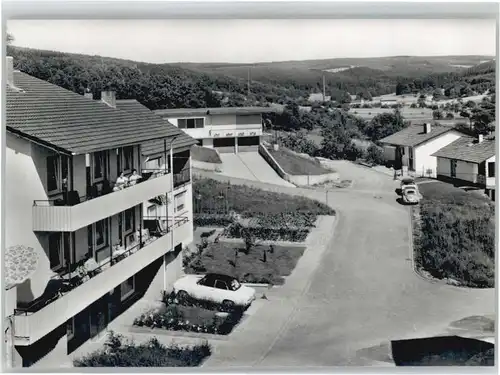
(234, 285)
(407, 182)
(410, 192)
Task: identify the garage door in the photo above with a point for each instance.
(246, 144)
(225, 145)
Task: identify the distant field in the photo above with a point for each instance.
(408, 113)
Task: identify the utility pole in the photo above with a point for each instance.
(324, 89)
(248, 82)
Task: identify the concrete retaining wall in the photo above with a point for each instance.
(299, 180)
(214, 167)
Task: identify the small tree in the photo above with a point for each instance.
(249, 238)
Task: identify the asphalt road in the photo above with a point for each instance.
(364, 292)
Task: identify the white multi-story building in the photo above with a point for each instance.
(96, 252)
(227, 129)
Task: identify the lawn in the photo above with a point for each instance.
(217, 197)
(456, 237)
(119, 352)
(295, 164)
(259, 265)
(205, 154)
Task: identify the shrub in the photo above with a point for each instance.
(457, 241)
(375, 155)
(121, 353)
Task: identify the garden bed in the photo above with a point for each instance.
(262, 264)
(294, 164)
(190, 316)
(454, 236)
(119, 352)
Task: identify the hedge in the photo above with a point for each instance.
(457, 242)
(271, 234)
(212, 220)
(118, 352)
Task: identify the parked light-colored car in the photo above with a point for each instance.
(407, 181)
(216, 288)
(411, 195)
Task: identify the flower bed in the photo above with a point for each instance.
(267, 264)
(119, 352)
(190, 317)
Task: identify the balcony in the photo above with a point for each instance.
(77, 290)
(181, 178)
(77, 212)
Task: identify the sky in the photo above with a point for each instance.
(247, 41)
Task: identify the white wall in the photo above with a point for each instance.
(490, 181)
(422, 154)
(26, 170)
(208, 142)
(465, 171)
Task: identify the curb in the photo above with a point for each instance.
(174, 334)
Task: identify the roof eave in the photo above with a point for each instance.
(39, 141)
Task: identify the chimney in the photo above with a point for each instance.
(427, 128)
(88, 94)
(109, 97)
(480, 138)
(9, 63)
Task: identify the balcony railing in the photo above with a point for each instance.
(85, 270)
(71, 213)
(72, 198)
(481, 179)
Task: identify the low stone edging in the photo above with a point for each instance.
(167, 332)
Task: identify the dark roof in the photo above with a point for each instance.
(414, 135)
(182, 141)
(468, 149)
(213, 111)
(71, 123)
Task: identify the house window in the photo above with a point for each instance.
(152, 210)
(70, 328)
(55, 251)
(180, 202)
(129, 220)
(101, 234)
(491, 169)
(153, 163)
(127, 288)
(53, 173)
(99, 165)
(191, 123)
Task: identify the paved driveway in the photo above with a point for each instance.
(361, 294)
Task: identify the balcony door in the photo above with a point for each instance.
(99, 317)
(453, 168)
